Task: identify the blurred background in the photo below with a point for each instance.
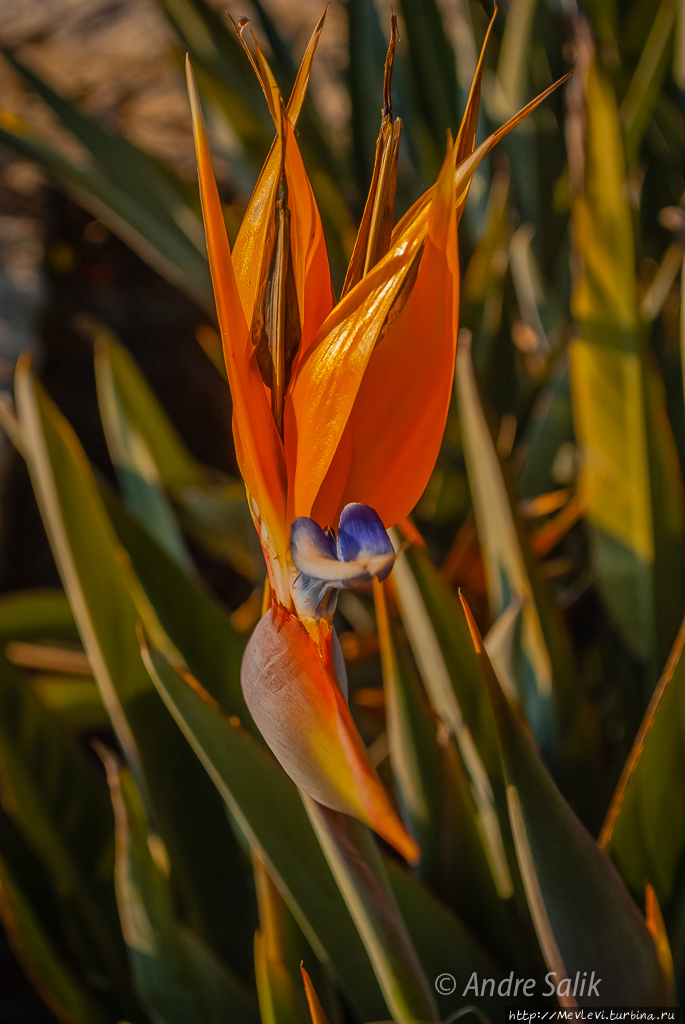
(77, 257)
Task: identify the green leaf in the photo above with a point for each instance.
(177, 978)
(150, 457)
(58, 804)
(37, 615)
(279, 950)
(58, 982)
(280, 1002)
(440, 640)
(196, 625)
(641, 834)
(433, 65)
(507, 573)
(45, 615)
(73, 700)
(514, 55)
(418, 762)
(435, 799)
(217, 516)
(368, 43)
(156, 188)
(115, 366)
(646, 83)
(225, 76)
(314, 141)
(164, 248)
(267, 806)
(353, 857)
(635, 501)
(367, 58)
(549, 427)
(584, 917)
(206, 876)
(134, 459)
(443, 943)
(548, 690)
(214, 47)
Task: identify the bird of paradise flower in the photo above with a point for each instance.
(338, 411)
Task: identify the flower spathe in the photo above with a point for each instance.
(338, 414)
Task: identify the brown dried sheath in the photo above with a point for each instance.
(276, 328)
(373, 237)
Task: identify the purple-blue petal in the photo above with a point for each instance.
(363, 551)
(361, 534)
(310, 546)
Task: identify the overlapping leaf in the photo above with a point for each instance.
(99, 584)
(177, 977)
(567, 878)
(634, 502)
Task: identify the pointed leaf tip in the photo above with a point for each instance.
(473, 628)
(315, 1007)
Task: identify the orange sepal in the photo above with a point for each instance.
(399, 416)
(328, 377)
(466, 138)
(258, 446)
(310, 259)
(300, 711)
(312, 275)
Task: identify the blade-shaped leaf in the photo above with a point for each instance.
(73, 700)
(439, 636)
(165, 249)
(155, 188)
(641, 834)
(196, 625)
(354, 859)
(56, 801)
(634, 500)
(506, 570)
(214, 47)
(434, 795)
(177, 978)
(280, 994)
(279, 1001)
(99, 583)
(512, 65)
(269, 811)
(367, 59)
(149, 455)
(569, 880)
(418, 762)
(548, 691)
(643, 91)
(225, 76)
(134, 461)
(443, 943)
(37, 615)
(313, 140)
(433, 65)
(26, 906)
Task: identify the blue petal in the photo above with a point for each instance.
(313, 597)
(313, 553)
(312, 549)
(363, 551)
(361, 535)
